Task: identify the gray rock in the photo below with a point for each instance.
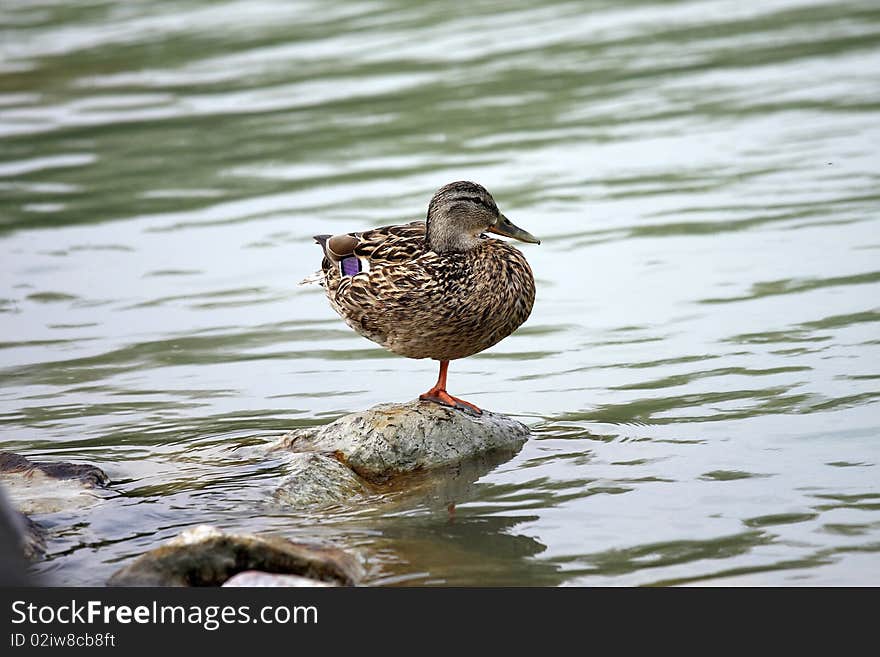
(44, 487)
(393, 439)
(319, 480)
(88, 475)
(256, 578)
(206, 556)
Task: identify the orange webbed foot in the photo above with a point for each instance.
(443, 398)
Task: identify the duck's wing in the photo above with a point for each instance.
(348, 254)
(354, 253)
(361, 273)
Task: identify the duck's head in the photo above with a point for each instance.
(462, 211)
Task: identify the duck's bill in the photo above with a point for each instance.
(505, 227)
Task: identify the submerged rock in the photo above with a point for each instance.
(206, 556)
(88, 475)
(45, 487)
(32, 538)
(394, 439)
(21, 540)
(256, 578)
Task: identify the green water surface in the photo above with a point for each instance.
(701, 370)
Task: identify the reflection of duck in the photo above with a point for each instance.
(436, 289)
(489, 541)
(474, 550)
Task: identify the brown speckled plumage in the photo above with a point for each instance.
(446, 297)
(421, 304)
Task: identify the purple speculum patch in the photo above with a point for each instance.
(350, 266)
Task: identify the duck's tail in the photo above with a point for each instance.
(314, 279)
(318, 277)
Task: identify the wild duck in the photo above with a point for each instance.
(439, 288)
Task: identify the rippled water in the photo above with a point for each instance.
(702, 366)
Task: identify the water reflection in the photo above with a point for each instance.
(465, 550)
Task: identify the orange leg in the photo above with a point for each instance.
(439, 395)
